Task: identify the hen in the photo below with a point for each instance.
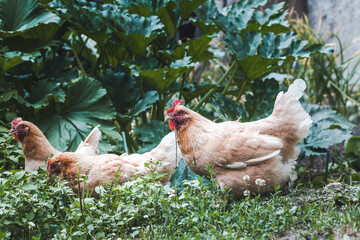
(37, 148)
(244, 153)
(104, 168)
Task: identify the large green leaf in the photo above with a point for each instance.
(122, 88)
(353, 146)
(88, 20)
(243, 48)
(143, 7)
(27, 19)
(86, 105)
(253, 67)
(328, 118)
(192, 91)
(183, 173)
(328, 128)
(58, 69)
(238, 16)
(242, 16)
(260, 102)
(151, 134)
(226, 109)
(186, 8)
(207, 14)
(281, 46)
(197, 48)
(145, 103)
(162, 78)
(134, 30)
(41, 93)
(324, 138)
(9, 60)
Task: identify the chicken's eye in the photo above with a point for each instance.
(181, 113)
(21, 126)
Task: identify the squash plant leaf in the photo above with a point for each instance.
(162, 78)
(328, 128)
(41, 92)
(122, 88)
(150, 134)
(145, 103)
(86, 105)
(27, 19)
(260, 102)
(225, 109)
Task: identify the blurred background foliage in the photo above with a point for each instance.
(70, 65)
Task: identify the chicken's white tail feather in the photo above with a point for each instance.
(90, 146)
(94, 137)
(297, 88)
(287, 106)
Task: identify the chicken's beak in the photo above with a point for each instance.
(13, 131)
(168, 118)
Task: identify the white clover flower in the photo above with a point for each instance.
(246, 178)
(62, 234)
(246, 193)
(31, 225)
(260, 182)
(171, 195)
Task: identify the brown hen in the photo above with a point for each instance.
(241, 153)
(104, 168)
(37, 148)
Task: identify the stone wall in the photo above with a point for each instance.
(340, 17)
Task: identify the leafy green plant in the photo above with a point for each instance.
(29, 203)
(31, 206)
(329, 128)
(330, 77)
(10, 153)
(352, 151)
(133, 50)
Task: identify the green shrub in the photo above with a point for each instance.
(33, 207)
(127, 61)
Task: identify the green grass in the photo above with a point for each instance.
(144, 209)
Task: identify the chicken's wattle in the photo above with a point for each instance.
(171, 125)
(16, 137)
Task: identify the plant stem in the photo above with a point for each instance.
(98, 61)
(344, 94)
(182, 83)
(154, 111)
(141, 90)
(130, 143)
(78, 60)
(327, 167)
(161, 106)
(83, 45)
(231, 78)
(125, 144)
(241, 91)
(212, 91)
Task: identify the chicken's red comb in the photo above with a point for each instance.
(175, 103)
(15, 122)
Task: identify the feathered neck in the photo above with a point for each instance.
(192, 135)
(195, 121)
(36, 142)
